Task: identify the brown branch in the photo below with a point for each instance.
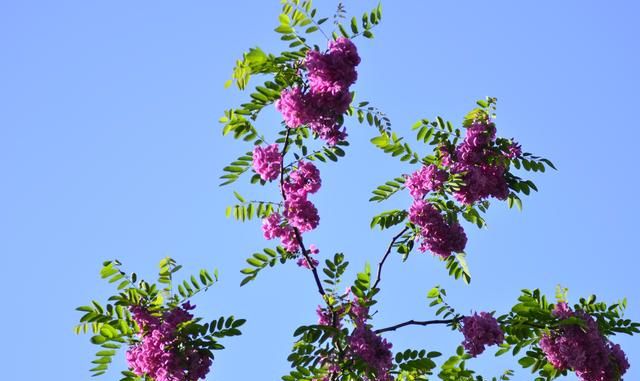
(295, 230)
(386, 254)
(415, 322)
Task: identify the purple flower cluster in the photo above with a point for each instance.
(583, 349)
(334, 71)
(427, 179)
(162, 353)
(374, 350)
(299, 212)
(273, 227)
(329, 76)
(267, 162)
(436, 235)
(304, 180)
(482, 168)
(294, 107)
(480, 330)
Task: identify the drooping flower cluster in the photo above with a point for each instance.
(436, 234)
(329, 76)
(482, 168)
(480, 330)
(299, 213)
(334, 71)
(427, 179)
(374, 350)
(163, 354)
(274, 226)
(367, 345)
(304, 180)
(583, 349)
(267, 162)
(294, 107)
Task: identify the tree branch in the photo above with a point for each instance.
(415, 322)
(386, 254)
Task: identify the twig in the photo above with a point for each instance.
(386, 254)
(415, 322)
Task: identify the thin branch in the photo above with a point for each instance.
(386, 254)
(295, 230)
(415, 322)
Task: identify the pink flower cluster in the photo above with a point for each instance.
(162, 353)
(436, 234)
(374, 350)
(483, 169)
(427, 179)
(274, 226)
(583, 349)
(267, 162)
(299, 213)
(480, 330)
(329, 76)
(334, 71)
(368, 346)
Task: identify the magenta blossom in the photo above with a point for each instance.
(274, 227)
(427, 179)
(436, 235)
(481, 182)
(480, 330)
(267, 162)
(583, 349)
(303, 180)
(301, 213)
(482, 166)
(372, 350)
(334, 71)
(163, 353)
(293, 105)
(327, 98)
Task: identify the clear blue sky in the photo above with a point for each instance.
(110, 147)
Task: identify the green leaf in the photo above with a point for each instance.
(354, 25)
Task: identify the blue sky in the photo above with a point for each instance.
(110, 148)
